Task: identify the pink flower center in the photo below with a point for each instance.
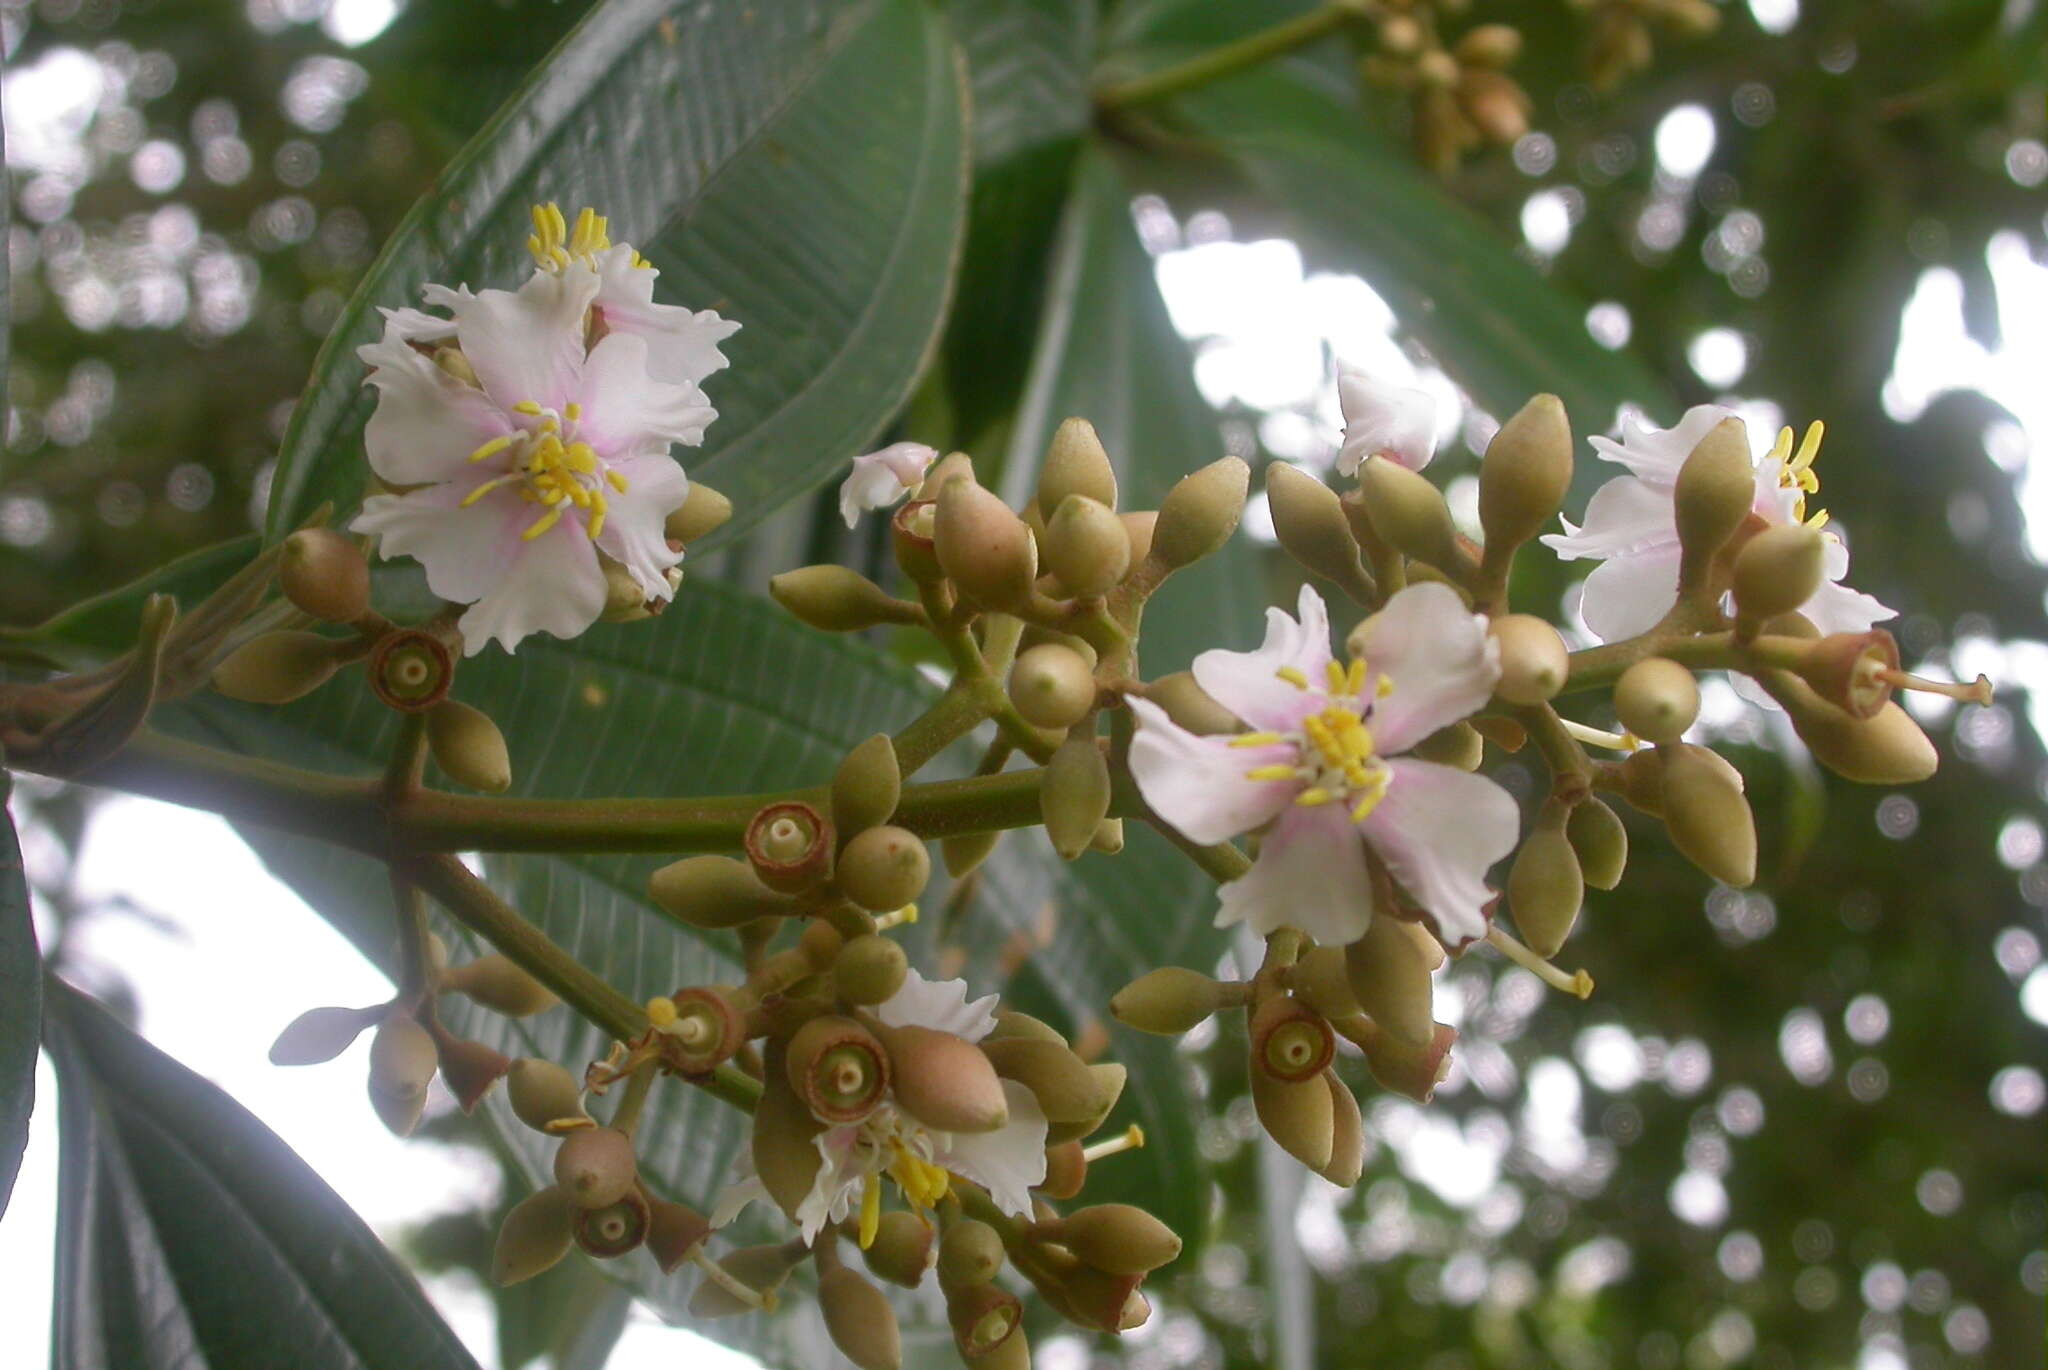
(553, 469)
(1335, 760)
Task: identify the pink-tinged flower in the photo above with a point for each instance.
(880, 479)
(890, 1143)
(1320, 775)
(1631, 527)
(1384, 420)
(527, 456)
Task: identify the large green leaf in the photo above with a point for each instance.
(21, 1001)
(189, 1236)
(799, 167)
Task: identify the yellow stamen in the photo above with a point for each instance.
(473, 496)
(1384, 688)
(661, 1010)
(870, 1211)
(616, 481)
(572, 411)
(1578, 983)
(1354, 679)
(1293, 676)
(1256, 739)
(493, 447)
(1313, 797)
(902, 917)
(1131, 1140)
(1618, 742)
(530, 408)
(1334, 673)
(542, 524)
(1276, 772)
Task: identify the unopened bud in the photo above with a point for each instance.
(1533, 661)
(1690, 18)
(1052, 686)
(943, 472)
(1776, 572)
(1657, 699)
(1309, 521)
(1076, 464)
(1347, 1135)
(1189, 705)
(1320, 980)
(1168, 1001)
(1139, 526)
(542, 1092)
(468, 746)
(500, 986)
(402, 1063)
(320, 1034)
(702, 511)
(1408, 513)
(1066, 1170)
(1888, 748)
(1074, 796)
(904, 1248)
(1118, 1238)
(1059, 1079)
(838, 1068)
(866, 787)
(860, 1320)
(964, 852)
(609, 1231)
(450, 359)
(784, 1143)
(1709, 819)
(986, 550)
(1545, 884)
(1489, 45)
(983, 1317)
(1086, 546)
(1459, 745)
(1290, 1041)
(834, 599)
(945, 1081)
(714, 892)
(625, 599)
(869, 969)
(276, 668)
(1601, 841)
(761, 1269)
(1110, 1078)
(970, 1253)
(884, 868)
(1109, 837)
(595, 1166)
(1496, 104)
(1526, 471)
(1011, 1023)
(1200, 512)
(674, 1232)
(536, 1233)
(789, 845)
(324, 574)
(1712, 497)
(1298, 1115)
(1390, 978)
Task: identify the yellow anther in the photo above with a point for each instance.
(1333, 672)
(661, 1010)
(1263, 773)
(616, 481)
(1256, 739)
(530, 408)
(493, 447)
(543, 523)
(1354, 679)
(1314, 797)
(572, 411)
(870, 1211)
(473, 496)
(1384, 688)
(1293, 676)
(902, 917)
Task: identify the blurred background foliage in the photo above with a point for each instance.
(1799, 1126)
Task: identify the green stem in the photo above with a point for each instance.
(951, 717)
(1229, 59)
(1598, 667)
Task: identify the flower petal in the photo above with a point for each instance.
(1249, 684)
(635, 519)
(1627, 595)
(879, 479)
(1835, 608)
(524, 344)
(1655, 454)
(939, 1004)
(840, 1179)
(466, 551)
(551, 585)
(1310, 874)
(1627, 514)
(1436, 655)
(1006, 1162)
(1382, 419)
(682, 345)
(1438, 830)
(1199, 784)
(426, 422)
(627, 410)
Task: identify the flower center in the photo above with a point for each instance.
(1796, 473)
(552, 468)
(1335, 760)
(554, 244)
(901, 1157)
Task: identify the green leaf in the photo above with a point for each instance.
(190, 1236)
(1361, 204)
(21, 1002)
(801, 169)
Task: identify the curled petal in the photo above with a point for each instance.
(626, 410)
(552, 585)
(1627, 595)
(939, 1004)
(633, 532)
(1006, 1162)
(1310, 874)
(1437, 657)
(524, 344)
(1627, 514)
(426, 422)
(879, 479)
(847, 1162)
(1251, 684)
(1655, 454)
(1835, 608)
(1439, 830)
(1200, 784)
(682, 344)
(1382, 419)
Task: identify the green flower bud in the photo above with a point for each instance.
(1109, 837)
(468, 746)
(702, 511)
(866, 786)
(1389, 970)
(542, 1092)
(884, 868)
(624, 599)
(1888, 748)
(986, 550)
(789, 845)
(1308, 518)
(1489, 45)
(983, 1317)
(609, 1231)
(1601, 841)
(500, 986)
(1712, 498)
(1189, 705)
(1545, 884)
(1710, 821)
(536, 1233)
(595, 1166)
(904, 1248)
(1066, 1170)
(1074, 796)
(1086, 546)
(1052, 1072)
(403, 1061)
(1200, 513)
(1076, 464)
(838, 1068)
(1347, 1135)
(1409, 514)
(1459, 745)
(1011, 1023)
(869, 969)
(1298, 1114)
(674, 1231)
(953, 466)
(783, 1144)
(834, 599)
(1118, 1238)
(277, 668)
(324, 574)
(1052, 686)
(1776, 572)
(714, 892)
(1524, 475)
(969, 1254)
(1110, 1078)
(320, 1034)
(763, 1269)
(860, 1320)
(1657, 699)
(1290, 1041)
(1168, 1001)
(964, 852)
(1533, 662)
(945, 1081)
(1139, 526)
(1320, 980)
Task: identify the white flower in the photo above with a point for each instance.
(1384, 420)
(1631, 528)
(1320, 776)
(513, 483)
(921, 1160)
(882, 478)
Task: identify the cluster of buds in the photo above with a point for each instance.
(1620, 42)
(1461, 97)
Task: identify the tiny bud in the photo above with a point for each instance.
(1167, 1001)
(1533, 661)
(625, 600)
(904, 1248)
(1710, 821)
(838, 1068)
(860, 1320)
(945, 1081)
(1601, 841)
(762, 1269)
(1052, 686)
(943, 472)
(1290, 1041)
(320, 1034)
(987, 551)
(1200, 512)
(500, 986)
(1139, 526)
(969, 1254)
(866, 786)
(1776, 572)
(536, 1233)
(1309, 521)
(1657, 699)
(595, 1166)
(1320, 980)
(1545, 884)
(834, 599)
(789, 845)
(1086, 546)
(468, 746)
(1690, 18)
(714, 892)
(1347, 1135)
(1118, 1238)
(1408, 513)
(701, 511)
(1712, 497)
(1888, 748)
(1489, 45)
(1011, 1023)
(1526, 470)
(1298, 1115)
(451, 360)
(1059, 1079)
(276, 668)
(674, 1231)
(609, 1231)
(1458, 745)
(1074, 796)
(1066, 1170)
(869, 969)
(983, 1317)
(324, 574)
(1076, 464)
(1496, 104)
(1189, 705)
(1109, 837)
(964, 852)
(784, 1139)
(884, 868)
(1390, 978)
(542, 1092)
(402, 1063)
